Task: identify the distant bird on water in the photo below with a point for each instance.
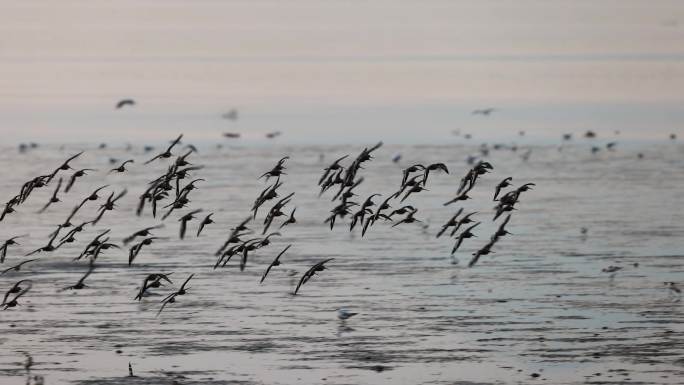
(484, 111)
(344, 314)
(231, 115)
(673, 286)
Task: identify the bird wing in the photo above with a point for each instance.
(505, 222)
(73, 157)
(301, 281)
(90, 270)
(59, 185)
(183, 227)
(153, 159)
(166, 301)
(266, 272)
(42, 210)
(201, 226)
(133, 252)
(458, 243)
(186, 281)
(282, 252)
(72, 180)
(474, 260)
(121, 195)
(174, 143)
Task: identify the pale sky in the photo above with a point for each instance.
(413, 69)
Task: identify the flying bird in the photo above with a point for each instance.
(277, 170)
(81, 282)
(53, 198)
(135, 250)
(19, 289)
(290, 220)
(483, 251)
(206, 221)
(6, 244)
(184, 221)
(503, 184)
(141, 233)
(464, 235)
(152, 281)
(49, 247)
(109, 205)
(122, 167)
(434, 167)
(276, 262)
(167, 153)
(171, 298)
(125, 102)
(17, 267)
(320, 266)
(75, 175)
(63, 167)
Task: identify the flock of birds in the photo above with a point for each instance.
(171, 191)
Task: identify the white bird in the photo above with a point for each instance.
(344, 314)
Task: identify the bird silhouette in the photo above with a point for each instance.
(74, 176)
(10, 242)
(275, 262)
(317, 268)
(122, 167)
(185, 219)
(167, 153)
(53, 198)
(17, 267)
(125, 102)
(206, 221)
(18, 289)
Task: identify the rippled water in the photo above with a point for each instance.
(539, 305)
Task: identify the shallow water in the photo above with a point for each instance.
(538, 305)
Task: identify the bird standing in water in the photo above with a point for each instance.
(344, 314)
